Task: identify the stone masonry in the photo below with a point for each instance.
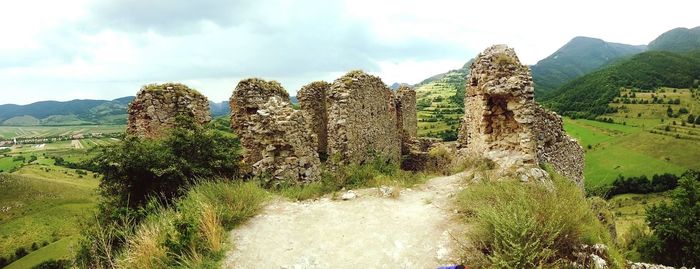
(362, 119)
(156, 107)
(353, 120)
(275, 136)
(312, 100)
(503, 123)
(407, 122)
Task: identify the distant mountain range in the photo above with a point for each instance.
(78, 112)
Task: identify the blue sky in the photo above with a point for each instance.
(105, 49)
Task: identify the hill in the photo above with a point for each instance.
(440, 103)
(78, 112)
(678, 40)
(578, 57)
(588, 96)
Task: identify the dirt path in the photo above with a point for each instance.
(414, 231)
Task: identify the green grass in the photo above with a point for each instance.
(40, 205)
(630, 209)
(630, 150)
(529, 225)
(61, 249)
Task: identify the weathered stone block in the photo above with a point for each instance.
(152, 112)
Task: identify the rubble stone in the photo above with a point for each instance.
(362, 119)
(156, 107)
(275, 136)
(312, 100)
(407, 121)
(503, 123)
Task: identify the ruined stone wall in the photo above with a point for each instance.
(556, 148)
(503, 123)
(362, 119)
(156, 107)
(312, 100)
(407, 121)
(275, 136)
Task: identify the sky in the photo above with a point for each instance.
(106, 49)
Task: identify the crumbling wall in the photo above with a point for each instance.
(503, 123)
(407, 121)
(275, 136)
(556, 148)
(362, 119)
(156, 107)
(312, 100)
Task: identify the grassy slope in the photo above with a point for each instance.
(43, 202)
(630, 151)
(43, 205)
(441, 106)
(60, 249)
(630, 209)
(641, 146)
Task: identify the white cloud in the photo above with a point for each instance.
(108, 49)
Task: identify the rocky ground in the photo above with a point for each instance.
(415, 230)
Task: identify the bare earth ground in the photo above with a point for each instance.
(417, 230)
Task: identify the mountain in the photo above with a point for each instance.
(75, 112)
(79, 112)
(677, 40)
(589, 95)
(219, 109)
(578, 57)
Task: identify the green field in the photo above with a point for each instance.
(437, 113)
(615, 149)
(643, 140)
(630, 209)
(42, 203)
(9, 132)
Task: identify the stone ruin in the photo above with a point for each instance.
(407, 121)
(362, 119)
(503, 123)
(156, 107)
(312, 100)
(276, 137)
(352, 120)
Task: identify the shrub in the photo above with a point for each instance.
(675, 238)
(54, 264)
(527, 225)
(140, 168)
(20, 252)
(3, 262)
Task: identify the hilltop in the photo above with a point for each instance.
(78, 112)
(679, 40)
(578, 57)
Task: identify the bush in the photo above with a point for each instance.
(675, 238)
(140, 168)
(54, 264)
(528, 225)
(20, 252)
(3, 262)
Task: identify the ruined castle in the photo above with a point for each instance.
(156, 107)
(358, 118)
(503, 123)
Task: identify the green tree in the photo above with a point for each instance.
(669, 111)
(141, 168)
(675, 238)
(691, 119)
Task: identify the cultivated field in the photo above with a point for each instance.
(9, 132)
